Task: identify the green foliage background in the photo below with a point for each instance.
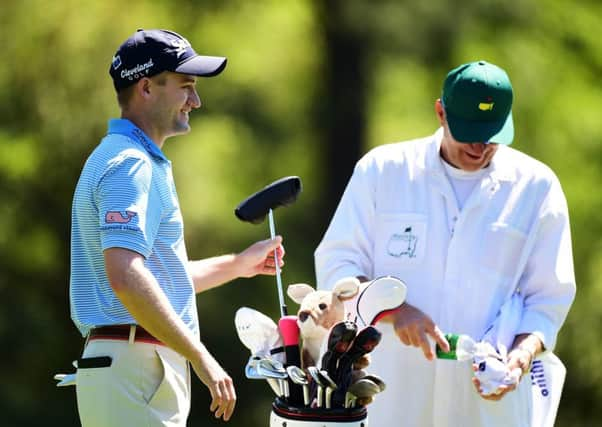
(310, 86)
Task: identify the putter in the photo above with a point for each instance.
(298, 376)
(339, 339)
(254, 209)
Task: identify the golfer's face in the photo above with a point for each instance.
(176, 97)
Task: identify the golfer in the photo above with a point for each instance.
(132, 285)
(465, 221)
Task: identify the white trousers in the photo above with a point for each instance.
(147, 385)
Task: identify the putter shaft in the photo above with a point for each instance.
(283, 309)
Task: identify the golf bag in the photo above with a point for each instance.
(283, 415)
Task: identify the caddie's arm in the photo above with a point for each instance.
(524, 350)
(413, 327)
(139, 291)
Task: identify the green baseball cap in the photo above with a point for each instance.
(477, 98)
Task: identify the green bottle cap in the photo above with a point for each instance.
(452, 339)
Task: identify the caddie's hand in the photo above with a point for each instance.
(413, 327)
(500, 392)
(219, 383)
(259, 258)
(520, 359)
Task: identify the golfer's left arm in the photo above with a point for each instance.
(256, 259)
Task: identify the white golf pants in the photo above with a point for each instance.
(147, 385)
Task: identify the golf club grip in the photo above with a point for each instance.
(289, 329)
(364, 343)
(282, 192)
(340, 338)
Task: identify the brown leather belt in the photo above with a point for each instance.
(122, 333)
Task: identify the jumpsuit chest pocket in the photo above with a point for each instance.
(400, 240)
(501, 249)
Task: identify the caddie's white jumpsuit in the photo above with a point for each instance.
(399, 216)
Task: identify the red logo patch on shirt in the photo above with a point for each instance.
(116, 217)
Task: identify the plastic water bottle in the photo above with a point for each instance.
(461, 347)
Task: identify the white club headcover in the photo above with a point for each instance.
(257, 332)
(377, 297)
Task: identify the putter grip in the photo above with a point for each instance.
(279, 193)
(289, 330)
(290, 336)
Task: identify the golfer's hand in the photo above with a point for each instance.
(219, 383)
(413, 327)
(259, 258)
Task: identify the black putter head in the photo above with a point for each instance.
(282, 192)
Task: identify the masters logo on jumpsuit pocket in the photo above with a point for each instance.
(401, 239)
(403, 244)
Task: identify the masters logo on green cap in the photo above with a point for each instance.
(477, 98)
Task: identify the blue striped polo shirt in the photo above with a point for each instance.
(126, 198)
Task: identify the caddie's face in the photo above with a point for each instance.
(175, 98)
(470, 157)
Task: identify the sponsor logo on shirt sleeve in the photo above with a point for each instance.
(119, 217)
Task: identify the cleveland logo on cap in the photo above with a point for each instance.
(138, 70)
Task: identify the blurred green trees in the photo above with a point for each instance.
(310, 86)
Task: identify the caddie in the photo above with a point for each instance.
(465, 221)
